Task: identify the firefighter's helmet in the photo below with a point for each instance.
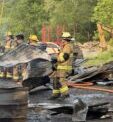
(66, 35)
(8, 33)
(20, 36)
(33, 38)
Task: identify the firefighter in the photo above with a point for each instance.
(7, 72)
(64, 67)
(19, 39)
(9, 40)
(2, 49)
(2, 72)
(33, 40)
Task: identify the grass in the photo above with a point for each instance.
(100, 58)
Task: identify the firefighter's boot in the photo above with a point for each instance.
(64, 90)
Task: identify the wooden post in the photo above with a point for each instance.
(103, 43)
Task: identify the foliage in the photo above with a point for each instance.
(103, 12)
(25, 16)
(110, 42)
(100, 58)
(75, 15)
(96, 36)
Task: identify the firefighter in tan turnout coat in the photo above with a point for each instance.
(64, 66)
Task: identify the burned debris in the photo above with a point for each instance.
(95, 74)
(78, 107)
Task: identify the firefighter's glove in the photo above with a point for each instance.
(66, 56)
(54, 67)
(53, 60)
(63, 57)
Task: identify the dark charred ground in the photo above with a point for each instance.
(90, 97)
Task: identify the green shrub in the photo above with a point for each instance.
(101, 58)
(110, 42)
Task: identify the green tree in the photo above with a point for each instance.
(28, 16)
(25, 16)
(75, 15)
(103, 12)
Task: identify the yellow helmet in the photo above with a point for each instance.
(66, 35)
(33, 37)
(8, 33)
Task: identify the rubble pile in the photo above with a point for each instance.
(22, 54)
(95, 74)
(89, 47)
(92, 45)
(38, 64)
(84, 103)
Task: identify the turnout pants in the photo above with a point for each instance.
(59, 83)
